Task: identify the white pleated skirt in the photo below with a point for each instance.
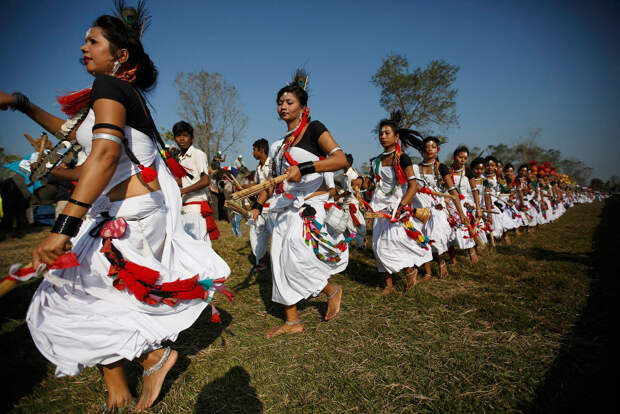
(86, 321)
(297, 273)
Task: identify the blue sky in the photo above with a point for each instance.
(525, 64)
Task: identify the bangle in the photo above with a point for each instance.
(452, 188)
(306, 167)
(257, 206)
(21, 102)
(334, 150)
(67, 225)
(79, 203)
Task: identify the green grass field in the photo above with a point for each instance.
(528, 329)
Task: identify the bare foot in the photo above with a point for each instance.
(425, 278)
(386, 290)
(116, 384)
(151, 385)
(333, 304)
(507, 239)
(285, 329)
(517, 233)
(118, 400)
(412, 279)
(453, 260)
(443, 270)
(473, 257)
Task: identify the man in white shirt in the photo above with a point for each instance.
(239, 162)
(260, 229)
(196, 212)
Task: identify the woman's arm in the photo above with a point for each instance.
(48, 121)
(96, 173)
(334, 162)
(476, 195)
(456, 201)
(412, 187)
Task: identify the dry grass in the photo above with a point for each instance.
(488, 338)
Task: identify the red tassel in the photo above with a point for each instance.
(215, 315)
(71, 103)
(175, 167)
(144, 274)
(212, 229)
(178, 285)
(148, 173)
(229, 294)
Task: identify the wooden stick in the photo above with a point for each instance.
(491, 211)
(42, 147)
(258, 188)
(234, 180)
(373, 215)
(236, 207)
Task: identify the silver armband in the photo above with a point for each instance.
(109, 137)
(334, 150)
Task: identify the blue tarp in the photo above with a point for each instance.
(22, 167)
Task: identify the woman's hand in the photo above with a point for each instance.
(293, 174)
(254, 213)
(6, 101)
(50, 249)
(478, 214)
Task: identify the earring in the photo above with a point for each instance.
(116, 67)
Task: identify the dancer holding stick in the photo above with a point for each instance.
(304, 251)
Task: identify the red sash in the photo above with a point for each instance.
(207, 213)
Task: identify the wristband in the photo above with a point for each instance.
(67, 225)
(21, 102)
(257, 206)
(306, 167)
(79, 203)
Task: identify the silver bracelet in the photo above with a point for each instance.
(334, 150)
(109, 137)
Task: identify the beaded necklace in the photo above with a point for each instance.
(377, 168)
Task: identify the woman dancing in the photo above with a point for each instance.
(141, 279)
(461, 236)
(396, 239)
(480, 197)
(304, 252)
(435, 178)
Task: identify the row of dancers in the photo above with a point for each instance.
(129, 263)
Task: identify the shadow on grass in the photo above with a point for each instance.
(580, 378)
(538, 253)
(23, 367)
(231, 393)
(202, 334)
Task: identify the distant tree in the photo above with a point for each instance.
(598, 184)
(213, 108)
(529, 150)
(167, 136)
(364, 168)
(426, 97)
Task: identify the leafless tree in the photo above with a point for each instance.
(213, 107)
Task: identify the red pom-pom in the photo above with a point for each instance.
(461, 197)
(148, 174)
(71, 103)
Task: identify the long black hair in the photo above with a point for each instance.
(408, 137)
(122, 37)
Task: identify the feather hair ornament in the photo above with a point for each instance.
(137, 20)
(300, 78)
